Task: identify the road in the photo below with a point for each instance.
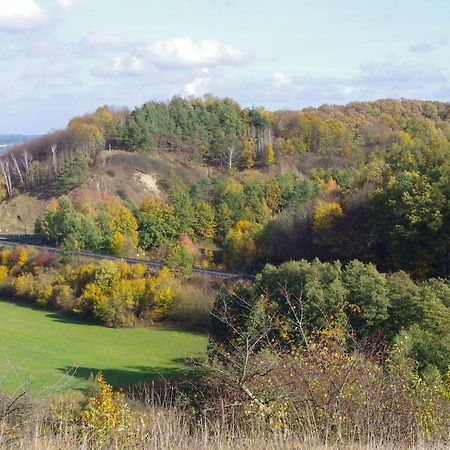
(16, 239)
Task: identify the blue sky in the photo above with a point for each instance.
(59, 58)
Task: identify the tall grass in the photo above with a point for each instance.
(160, 420)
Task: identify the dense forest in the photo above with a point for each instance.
(367, 181)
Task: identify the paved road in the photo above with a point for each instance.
(15, 239)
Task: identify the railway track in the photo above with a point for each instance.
(18, 239)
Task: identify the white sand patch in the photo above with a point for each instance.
(149, 182)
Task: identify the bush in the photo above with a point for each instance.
(192, 309)
(23, 286)
(180, 260)
(106, 415)
(3, 274)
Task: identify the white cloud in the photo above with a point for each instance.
(185, 53)
(16, 15)
(280, 80)
(174, 55)
(128, 66)
(391, 78)
(349, 91)
(197, 87)
(394, 72)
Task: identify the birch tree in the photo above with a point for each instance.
(6, 171)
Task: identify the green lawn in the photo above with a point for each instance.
(38, 348)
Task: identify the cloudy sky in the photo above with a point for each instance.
(59, 58)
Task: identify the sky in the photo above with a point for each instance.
(61, 58)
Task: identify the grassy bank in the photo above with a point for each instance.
(48, 352)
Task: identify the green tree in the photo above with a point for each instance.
(157, 224)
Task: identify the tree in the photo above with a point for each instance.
(270, 154)
(74, 172)
(240, 250)
(407, 219)
(272, 196)
(60, 222)
(157, 224)
(368, 293)
(6, 171)
(205, 220)
(248, 153)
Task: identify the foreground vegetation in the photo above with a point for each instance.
(311, 353)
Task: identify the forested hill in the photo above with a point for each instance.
(369, 180)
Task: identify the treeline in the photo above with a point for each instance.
(62, 158)
(220, 132)
(394, 215)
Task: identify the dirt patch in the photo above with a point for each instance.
(150, 183)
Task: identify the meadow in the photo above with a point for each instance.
(45, 353)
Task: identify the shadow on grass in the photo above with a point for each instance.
(127, 376)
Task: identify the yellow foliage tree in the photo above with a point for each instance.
(329, 186)
(248, 153)
(325, 214)
(22, 256)
(93, 299)
(3, 274)
(270, 154)
(117, 244)
(23, 286)
(240, 245)
(273, 196)
(121, 219)
(5, 257)
(159, 295)
(106, 414)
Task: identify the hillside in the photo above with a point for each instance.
(293, 184)
(341, 213)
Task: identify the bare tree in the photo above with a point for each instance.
(231, 151)
(53, 149)
(17, 170)
(6, 171)
(27, 159)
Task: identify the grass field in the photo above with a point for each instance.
(47, 352)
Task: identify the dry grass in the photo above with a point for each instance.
(171, 430)
(160, 421)
(19, 213)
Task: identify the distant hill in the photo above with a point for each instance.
(6, 140)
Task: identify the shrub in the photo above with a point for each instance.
(192, 309)
(3, 274)
(23, 286)
(159, 295)
(106, 415)
(180, 260)
(63, 297)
